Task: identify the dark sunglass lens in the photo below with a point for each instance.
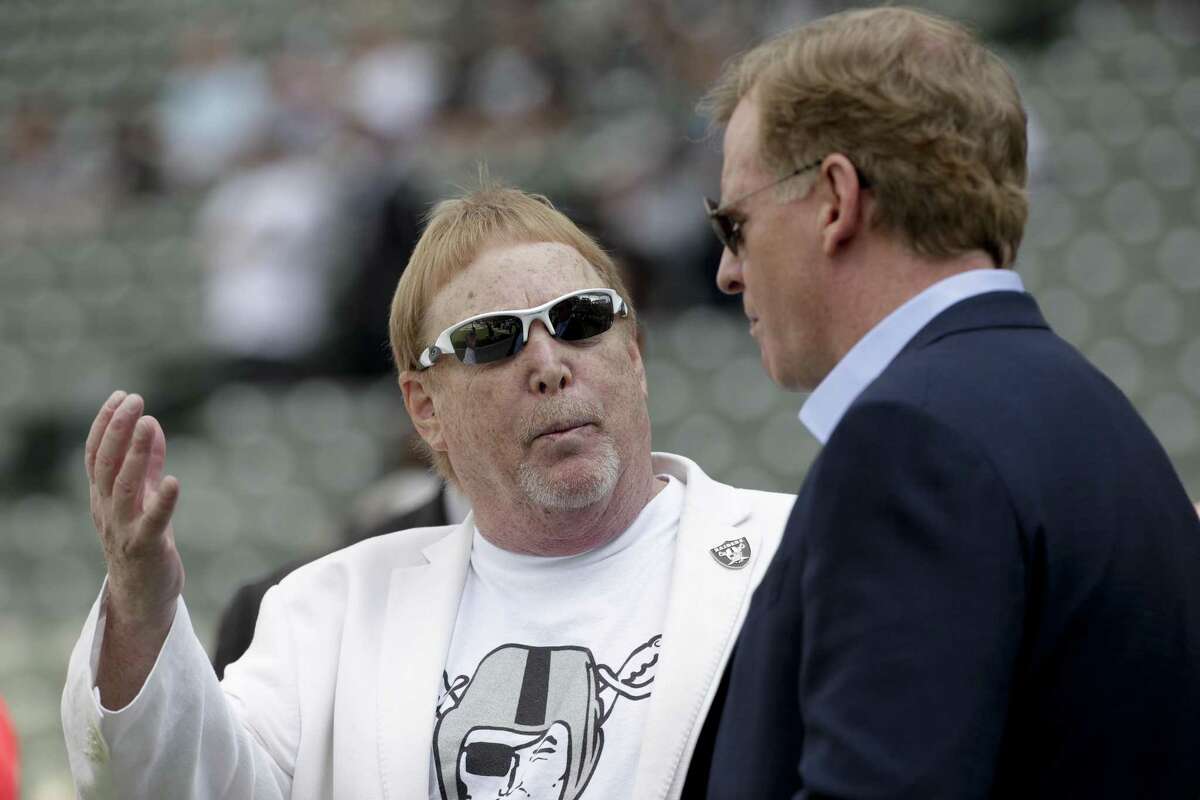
(582, 316)
(487, 339)
(724, 228)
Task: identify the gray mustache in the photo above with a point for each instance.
(559, 415)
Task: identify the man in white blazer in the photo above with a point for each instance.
(565, 641)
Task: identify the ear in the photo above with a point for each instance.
(421, 407)
(842, 203)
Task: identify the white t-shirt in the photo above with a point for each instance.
(550, 665)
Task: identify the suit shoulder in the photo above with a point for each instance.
(769, 511)
(766, 502)
(758, 501)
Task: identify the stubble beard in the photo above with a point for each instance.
(570, 494)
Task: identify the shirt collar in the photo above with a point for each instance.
(826, 406)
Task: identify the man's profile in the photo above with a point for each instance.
(990, 583)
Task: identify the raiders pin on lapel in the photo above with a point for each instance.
(732, 554)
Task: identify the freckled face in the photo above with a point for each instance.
(556, 423)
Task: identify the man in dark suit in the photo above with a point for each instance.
(990, 583)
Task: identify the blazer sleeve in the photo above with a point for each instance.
(912, 591)
(181, 737)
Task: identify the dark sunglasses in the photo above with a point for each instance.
(729, 230)
(496, 335)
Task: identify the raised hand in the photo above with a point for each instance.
(131, 505)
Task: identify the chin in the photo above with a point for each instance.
(787, 373)
(772, 368)
(570, 485)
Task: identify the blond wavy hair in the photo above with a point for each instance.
(459, 230)
(926, 113)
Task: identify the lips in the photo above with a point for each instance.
(558, 417)
(563, 427)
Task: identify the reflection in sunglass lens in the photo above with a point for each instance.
(487, 339)
(582, 316)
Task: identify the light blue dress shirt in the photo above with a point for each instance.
(826, 406)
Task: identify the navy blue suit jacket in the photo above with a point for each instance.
(989, 587)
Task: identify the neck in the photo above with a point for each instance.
(880, 282)
(525, 528)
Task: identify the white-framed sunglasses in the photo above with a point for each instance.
(496, 335)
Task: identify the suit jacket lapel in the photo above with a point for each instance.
(422, 604)
(707, 601)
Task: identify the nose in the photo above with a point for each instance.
(543, 355)
(729, 273)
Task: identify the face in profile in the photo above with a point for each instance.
(495, 763)
(777, 269)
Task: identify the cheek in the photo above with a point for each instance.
(623, 397)
(472, 414)
(768, 277)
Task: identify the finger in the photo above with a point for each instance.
(99, 425)
(115, 443)
(158, 454)
(160, 505)
(96, 509)
(127, 489)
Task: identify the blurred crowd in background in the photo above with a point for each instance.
(210, 203)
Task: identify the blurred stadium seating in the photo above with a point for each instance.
(102, 284)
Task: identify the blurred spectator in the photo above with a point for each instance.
(305, 83)
(47, 185)
(380, 220)
(514, 78)
(216, 107)
(394, 86)
(10, 773)
(394, 91)
(650, 217)
(264, 235)
(135, 154)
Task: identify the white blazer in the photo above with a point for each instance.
(336, 697)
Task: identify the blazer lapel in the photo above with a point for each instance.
(422, 604)
(707, 601)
